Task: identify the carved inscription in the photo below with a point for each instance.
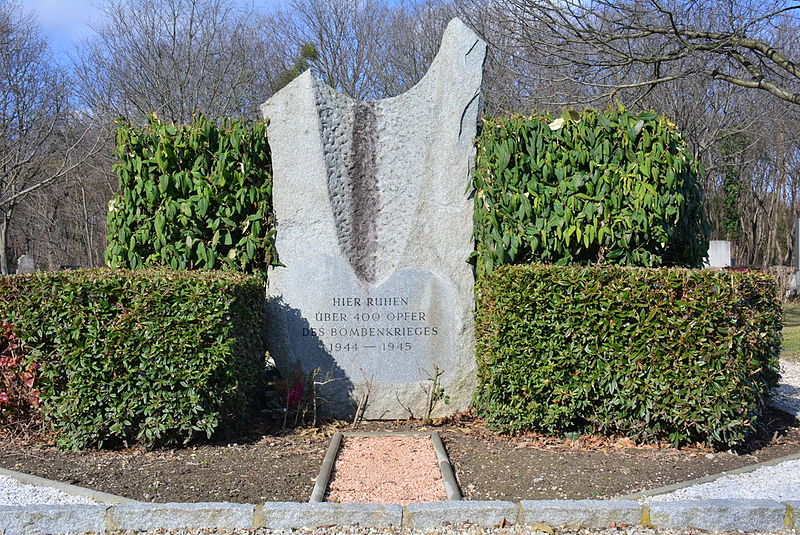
(371, 324)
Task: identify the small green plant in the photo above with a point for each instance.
(435, 393)
(587, 187)
(193, 197)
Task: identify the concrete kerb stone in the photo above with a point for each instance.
(52, 519)
(712, 515)
(482, 513)
(146, 516)
(580, 513)
(291, 515)
(719, 515)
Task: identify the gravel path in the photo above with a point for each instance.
(12, 492)
(400, 470)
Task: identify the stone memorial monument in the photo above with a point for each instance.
(374, 227)
(719, 254)
(25, 264)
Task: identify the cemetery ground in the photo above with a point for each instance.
(270, 463)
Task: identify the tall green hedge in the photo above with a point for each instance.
(609, 187)
(654, 354)
(197, 196)
(149, 357)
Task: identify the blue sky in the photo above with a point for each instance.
(66, 22)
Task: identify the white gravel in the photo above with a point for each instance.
(12, 492)
(778, 482)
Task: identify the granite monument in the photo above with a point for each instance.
(374, 228)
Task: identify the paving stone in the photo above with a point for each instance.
(147, 516)
(51, 519)
(481, 513)
(718, 515)
(289, 515)
(581, 513)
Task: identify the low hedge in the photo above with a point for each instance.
(681, 355)
(148, 357)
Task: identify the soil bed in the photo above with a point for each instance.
(274, 465)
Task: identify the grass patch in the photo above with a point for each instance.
(791, 331)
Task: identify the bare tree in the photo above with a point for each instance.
(64, 224)
(609, 45)
(368, 49)
(412, 37)
(348, 36)
(38, 142)
(174, 58)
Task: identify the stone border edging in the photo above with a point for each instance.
(448, 474)
(708, 479)
(321, 483)
(445, 468)
(66, 488)
(545, 515)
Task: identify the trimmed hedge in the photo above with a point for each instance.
(152, 357)
(681, 355)
(195, 196)
(587, 187)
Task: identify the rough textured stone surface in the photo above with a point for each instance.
(147, 516)
(486, 514)
(581, 513)
(374, 227)
(719, 515)
(286, 515)
(52, 519)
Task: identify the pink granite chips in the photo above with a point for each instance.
(400, 470)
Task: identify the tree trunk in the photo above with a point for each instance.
(5, 223)
(89, 237)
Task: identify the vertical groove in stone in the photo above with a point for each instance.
(350, 137)
(362, 171)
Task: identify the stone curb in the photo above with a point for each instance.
(321, 483)
(546, 515)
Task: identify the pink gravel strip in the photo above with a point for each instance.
(400, 470)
